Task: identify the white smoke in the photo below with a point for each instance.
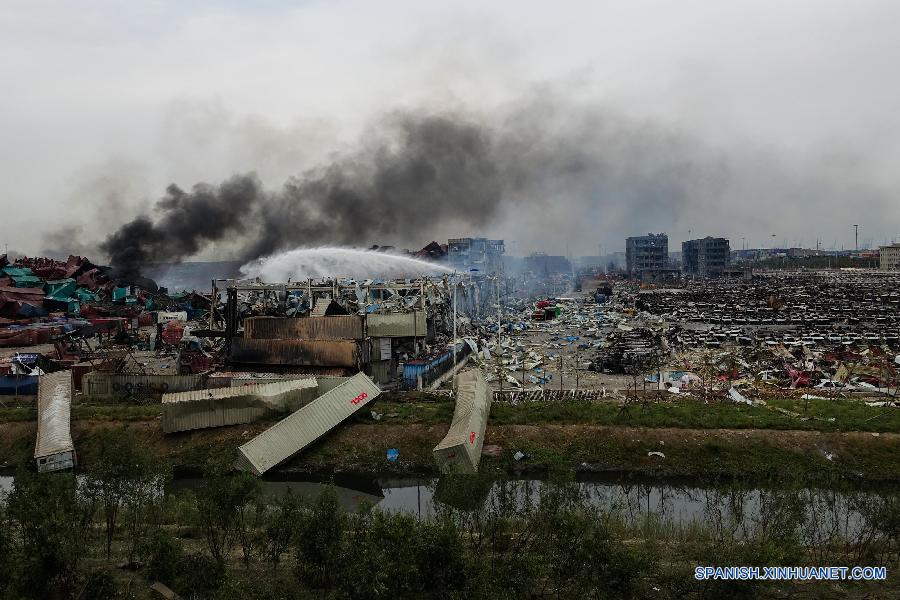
(336, 262)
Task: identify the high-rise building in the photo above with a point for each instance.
(706, 257)
(889, 257)
(646, 253)
(466, 254)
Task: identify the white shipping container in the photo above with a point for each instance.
(460, 450)
(294, 433)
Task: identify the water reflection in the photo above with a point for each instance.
(727, 509)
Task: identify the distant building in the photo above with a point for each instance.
(544, 264)
(889, 257)
(465, 254)
(646, 252)
(706, 257)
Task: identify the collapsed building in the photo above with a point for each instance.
(386, 329)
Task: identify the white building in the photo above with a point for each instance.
(889, 257)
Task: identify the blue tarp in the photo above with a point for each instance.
(23, 385)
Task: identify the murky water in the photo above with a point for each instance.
(732, 507)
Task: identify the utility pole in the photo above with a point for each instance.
(856, 236)
(577, 364)
(560, 372)
(453, 385)
(499, 314)
(523, 369)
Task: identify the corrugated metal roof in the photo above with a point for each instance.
(54, 414)
(460, 450)
(320, 307)
(338, 327)
(294, 433)
(326, 305)
(397, 324)
(219, 407)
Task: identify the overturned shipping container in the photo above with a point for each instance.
(218, 407)
(294, 433)
(54, 449)
(460, 450)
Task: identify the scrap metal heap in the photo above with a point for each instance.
(833, 331)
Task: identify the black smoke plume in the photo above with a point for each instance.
(424, 171)
(543, 172)
(186, 222)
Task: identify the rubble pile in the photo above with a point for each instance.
(42, 298)
(630, 352)
(794, 309)
(784, 331)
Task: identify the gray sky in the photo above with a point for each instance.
(791, 107)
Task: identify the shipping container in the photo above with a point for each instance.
(324, 353)
(460, 450)
(107, 385)
(411, 324)
(201, 409)
(54, 449)
(329, 382)
(341, 327)
(294, 433)
(226, 379)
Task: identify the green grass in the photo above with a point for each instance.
(848, 415)
(815, 415)
(12, 415)
(717, 458)
(121, 412)
(106, 412)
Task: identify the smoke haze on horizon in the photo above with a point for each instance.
(557, 129)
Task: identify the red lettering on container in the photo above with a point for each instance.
(472, 437)
(359, 398)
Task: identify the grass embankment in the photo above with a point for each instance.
(715, 440)
(815, 415)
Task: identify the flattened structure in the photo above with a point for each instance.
(460, 450)
(294, 433)
(54, 449)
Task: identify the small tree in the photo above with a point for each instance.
(121, 475)
(320, 541)
(222, 504)
(6, 551)
(280, 518)
(51, 521)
